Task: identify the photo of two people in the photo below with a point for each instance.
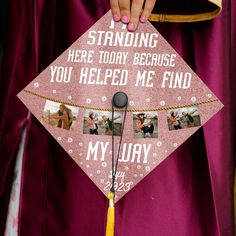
(183, 118)
(100, 122)
(145, 124)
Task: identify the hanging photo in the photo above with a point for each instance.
(182, 118)
(100, 122)
(145, 124)
(59, 115)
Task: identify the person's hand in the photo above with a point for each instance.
(130, 11)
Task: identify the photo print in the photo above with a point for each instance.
(145, 124)
(100, 122)
(182, 118)
(60, 115)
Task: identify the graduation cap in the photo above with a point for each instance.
(119, 103)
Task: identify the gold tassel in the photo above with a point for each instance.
(110, 229)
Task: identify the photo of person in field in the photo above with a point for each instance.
(182, 118)
(100, 123)
(145, 125)
(59, 115)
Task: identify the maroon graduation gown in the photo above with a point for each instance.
(190, 193)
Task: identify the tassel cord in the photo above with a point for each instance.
(110, 227)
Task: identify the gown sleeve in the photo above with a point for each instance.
(186, 10)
